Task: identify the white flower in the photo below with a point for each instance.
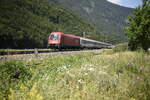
(101, 72)
(86, 65)
(83, 68)
(77, 87)
(91, 69)
(85, 73)
(62, 68)
(90, 65)
(81, 81)
(47, 78)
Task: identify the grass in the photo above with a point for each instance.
(120, 47)
(11, 74)
(86, 76)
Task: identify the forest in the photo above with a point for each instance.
(27, 24)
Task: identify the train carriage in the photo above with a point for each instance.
(70, 41)
(89, 43)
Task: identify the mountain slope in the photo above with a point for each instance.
(108, 18)
(27, 23)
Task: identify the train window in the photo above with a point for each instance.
(54, 37)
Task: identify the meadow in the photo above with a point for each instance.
(87, 76)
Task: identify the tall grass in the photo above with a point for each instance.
(11, 74)
(107, 76)
(120, 47)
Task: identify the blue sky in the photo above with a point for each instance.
(127, 3)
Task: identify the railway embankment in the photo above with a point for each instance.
(29, 54)
(83, 76)
(23, 51)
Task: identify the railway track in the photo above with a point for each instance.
(31, 51)
(23, 51)
(43, 54)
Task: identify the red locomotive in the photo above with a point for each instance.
(60, 40)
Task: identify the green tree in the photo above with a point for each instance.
(28, 23)
(138, 31)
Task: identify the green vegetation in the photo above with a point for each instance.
(139, 30)
(106, 17)
(120, 47)
(86, 76)
(28, 23)
(11, 74)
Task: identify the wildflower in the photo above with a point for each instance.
(17, 74)
(80, 81)
(62, 68)
(83, 68)
(91, 69)
(90, 65)
(85, 73)
(141, 68)
(18, 71)
(129, 64)
(77, 87)
(132, 99)
(86, 65)
(102, 72)
(47, 78)
(138, 78)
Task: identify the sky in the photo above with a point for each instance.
(127, 3)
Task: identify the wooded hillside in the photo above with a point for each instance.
(27, 23)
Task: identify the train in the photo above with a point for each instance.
(61, 40)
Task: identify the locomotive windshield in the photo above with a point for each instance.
(54, 37)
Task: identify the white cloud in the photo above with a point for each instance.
(127, 3)
(115, 1)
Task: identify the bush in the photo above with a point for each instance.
(138, 29)
(121, 47)
(12, 72)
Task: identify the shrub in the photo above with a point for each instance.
(12, 72)
(121, 47)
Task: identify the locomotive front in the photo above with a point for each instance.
(54, 40)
